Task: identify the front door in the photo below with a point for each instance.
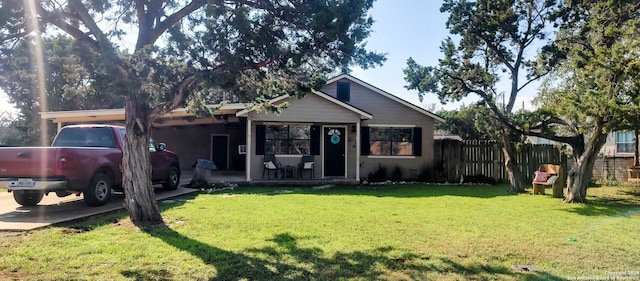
(334, 151)
(220, 151)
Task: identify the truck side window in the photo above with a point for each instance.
(152, 146)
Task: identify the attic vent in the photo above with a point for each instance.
(344, 91)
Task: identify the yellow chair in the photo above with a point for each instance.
(555, 179)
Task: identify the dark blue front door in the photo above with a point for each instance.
(334, 151)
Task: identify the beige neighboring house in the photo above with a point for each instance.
(349, 126)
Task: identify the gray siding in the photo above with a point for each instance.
(309, 109)
(386, 111)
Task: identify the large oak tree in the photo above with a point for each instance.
(595, 89)
(497, 39)
(182, 51)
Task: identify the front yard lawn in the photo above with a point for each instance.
(395, 232)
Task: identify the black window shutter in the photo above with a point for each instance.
(315, 140)
(364, 141)
(261, 134)
(417, 141)
(343, 91)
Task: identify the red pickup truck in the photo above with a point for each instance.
(82, 159)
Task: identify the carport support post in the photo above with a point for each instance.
(249, 150)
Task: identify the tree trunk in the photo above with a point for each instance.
(636, 153)
(510, 162)
(580, 174)
(138, 188)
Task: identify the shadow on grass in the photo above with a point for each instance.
(617, 203)
(286, 260)
(398, 190)
(89, 223)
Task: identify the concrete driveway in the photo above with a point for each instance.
(54, 209)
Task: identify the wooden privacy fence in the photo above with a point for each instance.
(453, 159)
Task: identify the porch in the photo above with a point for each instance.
(239, 177)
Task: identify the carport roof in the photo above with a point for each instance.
(117, 115)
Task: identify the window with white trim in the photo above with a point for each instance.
(624, 142)
(287, 139)
(391, 141)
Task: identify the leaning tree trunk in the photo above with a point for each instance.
(580, 174)
(138, 188)
(510, 162)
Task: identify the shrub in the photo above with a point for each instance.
(425, 174)
(396, 174)
(378, 175)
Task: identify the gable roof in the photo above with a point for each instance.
(386, 94)
(363, 114)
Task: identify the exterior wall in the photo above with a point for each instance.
(610, 148)
(193, 142)
(386, 111)
(611, 168)
(312, 110)
(309, 109)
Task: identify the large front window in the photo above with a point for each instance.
(391, 141)
(624, 141)
(288, 139)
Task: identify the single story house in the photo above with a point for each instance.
(349, 126)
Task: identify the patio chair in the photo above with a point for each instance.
(306, 163)
(270, 164)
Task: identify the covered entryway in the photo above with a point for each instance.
(317, 125)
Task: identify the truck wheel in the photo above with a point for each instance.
(27, 198)
(99, 190)
(173, 179)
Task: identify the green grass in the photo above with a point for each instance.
(344, 233)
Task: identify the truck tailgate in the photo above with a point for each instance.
(27, 161)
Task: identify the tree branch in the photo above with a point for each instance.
(536, 77)
(154, 33)
(88, 21)
(187, 85)
(58, 19)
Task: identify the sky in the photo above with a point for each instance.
(413, 28)
(402, 29)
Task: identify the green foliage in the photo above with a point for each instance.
(600, 74)
(595, 88)
(380, 174)
(473, 122)
(494, 39)
(396, 173)
(383, 174)
(426, 173)
(74, 80)
(232, 51)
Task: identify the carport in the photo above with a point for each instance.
(220, 138)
